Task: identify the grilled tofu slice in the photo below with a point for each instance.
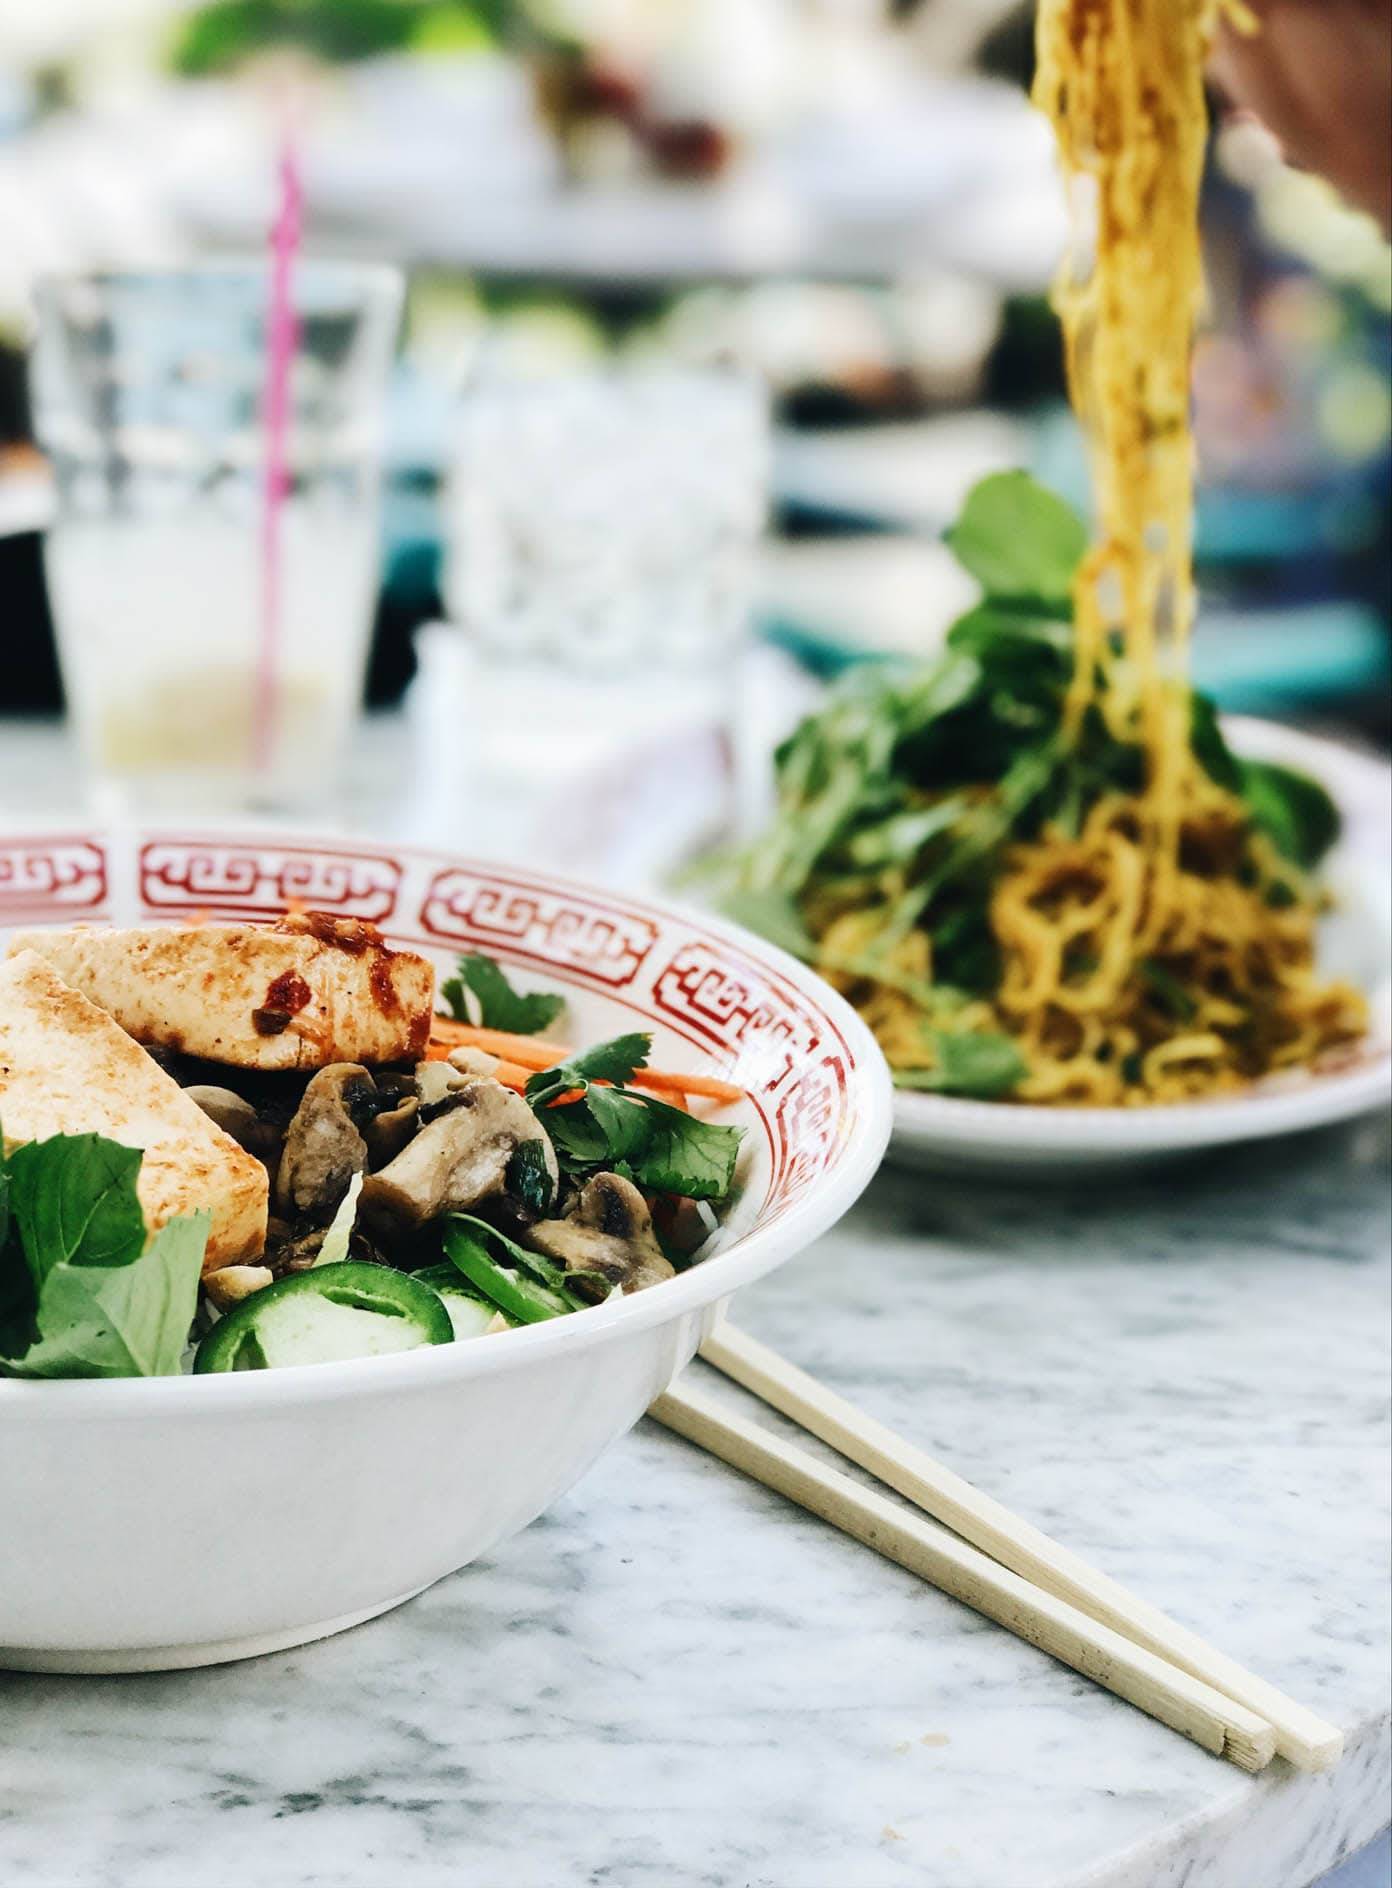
(310, 990)
(66, 1067)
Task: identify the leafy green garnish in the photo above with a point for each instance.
(73, 1199)
(897, 800)
(81, 1292)
(974, 1063)
(773, 915)
(496, 1005)
(525, 1285)
(1019, 540)
(119, 1320)
(529, 1178)
(603, 1125)
(1167, 990)
(683, 1154)
(1210, 745)
(1295, 812)
(614, 1061)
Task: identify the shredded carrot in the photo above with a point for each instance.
(529, 1053)
(526, 1051)
(665, 1081)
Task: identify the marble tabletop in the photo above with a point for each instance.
(674, 1680)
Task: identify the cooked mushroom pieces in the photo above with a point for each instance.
(238, 1117)
(324, 1144)
(608, 1232)
(457, 1159)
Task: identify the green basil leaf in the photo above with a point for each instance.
(73, 1200)
(119, 1319)
(1019, 539)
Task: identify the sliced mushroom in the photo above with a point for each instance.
(238, 1117)
(470, 1061)
(608, 1231)
(296, 1252)
(324, 1146)
(390, 1131)
(436, 1080)
(457, 1159)
(232, 1283)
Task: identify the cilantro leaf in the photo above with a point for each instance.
(603, 1124)
(118, 1319)
(496, 1005)
(1018, 539)
(623, 1119)
(614, 1061)
(684, 1155)
(977, 1064)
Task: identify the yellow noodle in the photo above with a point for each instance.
(1165, 951)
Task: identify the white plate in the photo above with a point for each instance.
(937, 1132)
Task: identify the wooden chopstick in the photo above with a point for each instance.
(1303, 1739)
(1185, 1703)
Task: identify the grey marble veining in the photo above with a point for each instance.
(675, 1681)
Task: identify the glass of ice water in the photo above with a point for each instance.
(602, 533)
(213, 574)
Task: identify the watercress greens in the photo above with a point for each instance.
(903, 789)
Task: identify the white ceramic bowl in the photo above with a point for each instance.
(183, 1521)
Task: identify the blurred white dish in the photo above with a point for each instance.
(163, 1522)
(937, 1132)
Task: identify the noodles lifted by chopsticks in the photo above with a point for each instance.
(1147, 926)
(1167, 880)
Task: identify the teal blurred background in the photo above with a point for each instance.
(850, 197)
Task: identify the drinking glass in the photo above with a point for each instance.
(213, 580)
(602, 534)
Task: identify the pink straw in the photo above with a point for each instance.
(282, 335)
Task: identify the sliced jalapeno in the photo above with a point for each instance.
(512, 1290)
(332, 1312)
(470, 1312)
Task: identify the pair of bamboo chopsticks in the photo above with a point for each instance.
(994, 1561)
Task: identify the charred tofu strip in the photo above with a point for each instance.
(301, 994)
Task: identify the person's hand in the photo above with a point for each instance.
(1318, 73)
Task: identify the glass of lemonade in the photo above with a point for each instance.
(212, 613)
